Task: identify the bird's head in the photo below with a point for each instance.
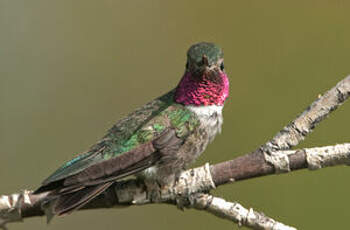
(205, 81)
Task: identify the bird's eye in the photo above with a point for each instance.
(187, 65)
(222, 66)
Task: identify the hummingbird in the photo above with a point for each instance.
(155, 142)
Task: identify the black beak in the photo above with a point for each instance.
(205, 60)
(204, 68)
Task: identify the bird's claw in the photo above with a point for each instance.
(153, 191)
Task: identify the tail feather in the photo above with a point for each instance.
(69, 202)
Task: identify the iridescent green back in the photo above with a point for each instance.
(141, 126)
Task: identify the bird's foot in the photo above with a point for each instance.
(153, 191)
(182, 198)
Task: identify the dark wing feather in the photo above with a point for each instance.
(75, 191)
(69, 202)
(119, 133)
(136, 159)
(73, 198)
(94, 173)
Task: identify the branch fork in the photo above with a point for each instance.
(191, 188)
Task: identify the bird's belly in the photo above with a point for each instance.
(164, 172)
(211, 120)
(210, 125)
(194, 145)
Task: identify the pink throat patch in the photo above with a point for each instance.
(205, 92)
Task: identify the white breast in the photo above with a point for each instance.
(210, 116)
(207, 110)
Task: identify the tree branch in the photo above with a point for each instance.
(273, 157)
(267, 159)
(236, 213)
(295, 132)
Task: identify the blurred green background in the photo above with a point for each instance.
(70, 69)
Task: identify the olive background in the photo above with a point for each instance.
(70, 69)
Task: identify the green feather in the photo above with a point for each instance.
(139, 127)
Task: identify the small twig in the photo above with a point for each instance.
(295, 132)
(237, 213)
